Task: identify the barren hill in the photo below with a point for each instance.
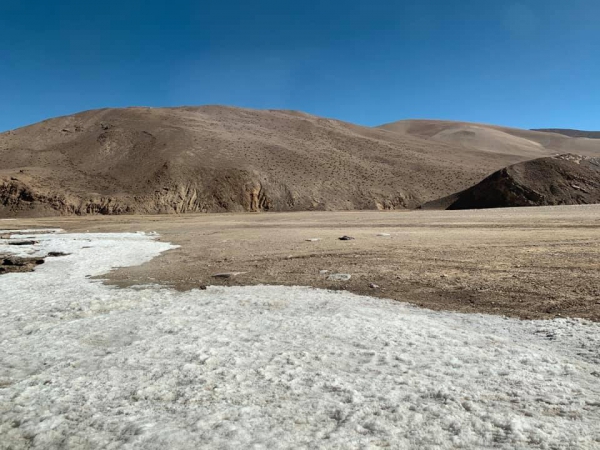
(212, 159)
(511, 144)
(572, 133)
(561, 180)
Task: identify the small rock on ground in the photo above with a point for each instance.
(339, 277)
(57, 254)
(227, 274)
(22, 242)
(346, 238)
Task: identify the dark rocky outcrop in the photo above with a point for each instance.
(10, 264)
(561, 180)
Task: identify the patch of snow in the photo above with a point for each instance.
(84, 365)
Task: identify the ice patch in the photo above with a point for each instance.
(84, 365)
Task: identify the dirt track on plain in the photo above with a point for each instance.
(524, 262)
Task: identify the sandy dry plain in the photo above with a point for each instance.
(530, 263)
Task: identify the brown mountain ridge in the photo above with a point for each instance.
(218, 159)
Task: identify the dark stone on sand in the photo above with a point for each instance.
(22, 242)
(227, 274)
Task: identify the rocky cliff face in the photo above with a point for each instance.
(235, 192)
(562, 180)
(22, 199)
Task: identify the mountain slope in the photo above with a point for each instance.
(572, 133)
(512, 144)
(214, 159)
(561, 180)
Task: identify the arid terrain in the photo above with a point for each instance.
(522, 262)
(223, 159)
(244, 329)
(136, 363)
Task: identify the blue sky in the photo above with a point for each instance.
(529, 63)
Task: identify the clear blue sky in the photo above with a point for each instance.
(529, 63)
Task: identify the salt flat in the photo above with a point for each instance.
(87, 365)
